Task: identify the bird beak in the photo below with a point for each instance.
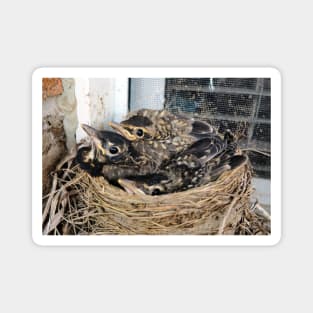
(93, 134)
(124, 132)
(130, 186)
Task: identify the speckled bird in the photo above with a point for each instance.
(161, 125)
(159, 134)
(204, 161)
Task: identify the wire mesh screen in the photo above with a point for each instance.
(242, 105)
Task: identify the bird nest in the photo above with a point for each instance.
(79, 204)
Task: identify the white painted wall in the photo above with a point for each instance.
(99, 101)
(82, 96)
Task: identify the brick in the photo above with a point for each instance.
(51, 87)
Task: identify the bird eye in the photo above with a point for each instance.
(113, 150)
(139, 132)
(156, 192)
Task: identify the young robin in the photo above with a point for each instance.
(203, 162)
(159, 134)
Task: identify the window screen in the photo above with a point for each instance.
(242, 105)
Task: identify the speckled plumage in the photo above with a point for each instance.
(163, 125)
(159, 134)
(203, 162)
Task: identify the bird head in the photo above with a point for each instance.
(107, 147)
(146, 124)
(135, 128)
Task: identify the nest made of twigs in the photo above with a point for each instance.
(79, 204)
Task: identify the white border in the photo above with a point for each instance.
(168, 240)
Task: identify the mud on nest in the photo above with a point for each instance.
(79, 204)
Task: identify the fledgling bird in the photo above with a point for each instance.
(161, 125)
(203, 162)
(110, 155)
(158, 184)
(159, 134)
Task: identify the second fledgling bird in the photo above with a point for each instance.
(203, 162)
(159, 135)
